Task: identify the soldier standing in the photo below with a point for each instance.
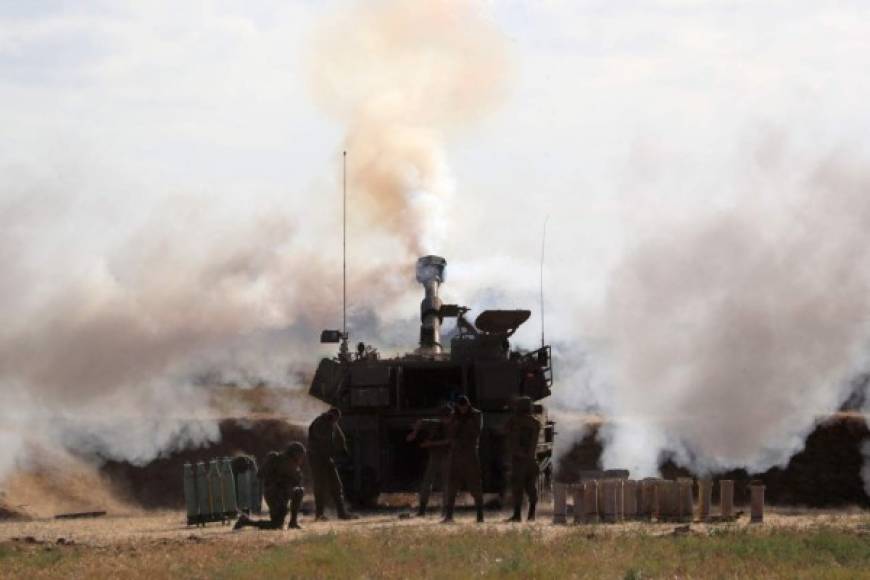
(521, 436)
(435, 440)
(281, 474)
(326, 440)
(463, 461)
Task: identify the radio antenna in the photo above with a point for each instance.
(343, 351)
(543, 247)
(344, 243)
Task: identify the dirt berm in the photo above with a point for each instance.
(827, 473)
(158, 484)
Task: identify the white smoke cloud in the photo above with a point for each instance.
(111, 346)
(730, 332)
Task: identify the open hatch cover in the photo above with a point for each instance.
(501, 321)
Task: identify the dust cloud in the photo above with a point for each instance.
(53, 482)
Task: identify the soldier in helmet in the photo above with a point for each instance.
(281, 475)
(434, 439)
(521, 436)
(326, 441)
(242, 464)
(463, 460)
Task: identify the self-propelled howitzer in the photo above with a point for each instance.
(382, 398)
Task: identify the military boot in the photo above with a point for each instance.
(243, 521)
(343, 514)
(294, 521)
(518, 507)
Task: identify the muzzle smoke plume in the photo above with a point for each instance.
(729, 334)
(402, 75)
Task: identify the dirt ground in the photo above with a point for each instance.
(160, 527)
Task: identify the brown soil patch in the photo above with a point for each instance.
(169, 526)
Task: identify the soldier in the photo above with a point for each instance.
(521, 436)
(463, 462)
(242, 464)
(326, 440)
(282, 482)
(435, 440)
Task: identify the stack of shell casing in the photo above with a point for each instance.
(601, 497)
(210, 492)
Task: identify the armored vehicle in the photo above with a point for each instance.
(382, 398)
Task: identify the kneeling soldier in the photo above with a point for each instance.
(281, 474)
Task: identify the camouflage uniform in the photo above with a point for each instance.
(326, 440)
(282, 484)
(463, 461)
(243, 463)
(240, 465)
(436, 464)
(521, 437)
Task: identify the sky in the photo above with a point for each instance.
(138, 137)
(610, 104)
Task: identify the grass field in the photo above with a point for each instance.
(467, 551)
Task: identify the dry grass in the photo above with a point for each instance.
(525, 554)
(384, 547)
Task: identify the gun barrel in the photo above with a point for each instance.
(430, 273)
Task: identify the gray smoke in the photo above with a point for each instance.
(728, 334)
(107, 335)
